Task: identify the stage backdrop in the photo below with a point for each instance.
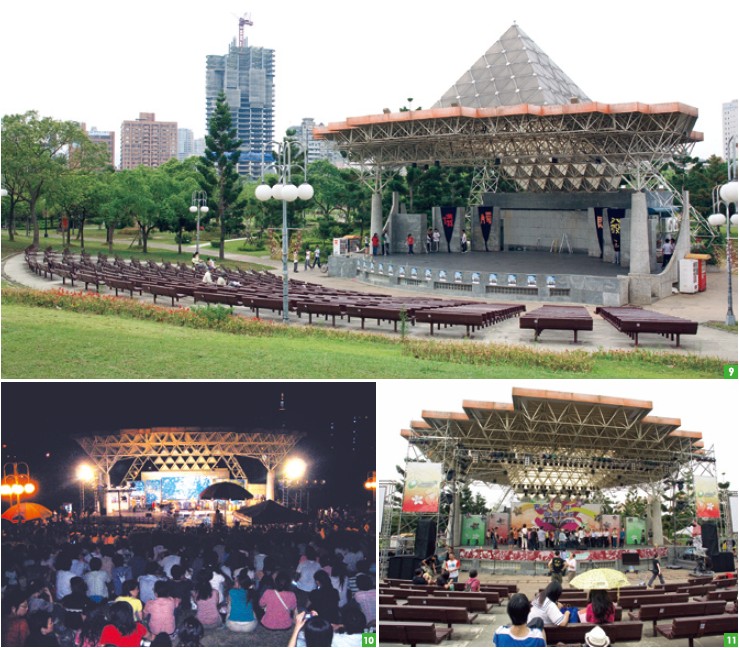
(635, 529)
(550, 515)
(706, 497)
(610, 522)
(501, 521)
(422, 483)
(473, 530)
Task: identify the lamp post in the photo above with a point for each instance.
(287, 192)
(198, 206)
(85, 473)
(726, 194)
(16, 481)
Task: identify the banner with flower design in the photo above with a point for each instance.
(422, 485)
(706, 497)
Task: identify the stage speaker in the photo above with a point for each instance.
(723, 562)
(425, 538)
(403, 567)
(630, 559)
(709, 535)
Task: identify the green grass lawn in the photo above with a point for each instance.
(49, 343)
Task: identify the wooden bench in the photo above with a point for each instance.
(699, 580)
(216, 297)
(722, 583)
(726, 595)
(575, 633)
(471, 319)
(387, 599)
(693, 628)
(412, 632)
(89, 278)
(401, 592)
(696, 590)
(632, 321)
(469, 603)
(490, 597)
(320, 308)
(656, 613)
(631, 601)
(559, 318)
(163, 291)
(380, 313)
(119, 283)
(438, 613)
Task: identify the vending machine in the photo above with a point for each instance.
(688, 276)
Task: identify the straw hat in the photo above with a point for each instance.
(597, 637)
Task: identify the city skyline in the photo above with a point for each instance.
(399, 51)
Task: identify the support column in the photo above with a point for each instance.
(270, 484)
(639, 235)
(376, 213)
(657, 536)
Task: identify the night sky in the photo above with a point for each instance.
(40, 419)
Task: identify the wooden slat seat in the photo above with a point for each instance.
(470, 604)
(575, 633)
(491, 597)
(656, 613)
(163, 291)
(692, 628)
(631, 601)
(412, 632)
(320, 308)
(632, 321)
(560, 318)
(437, 613)
(720, 595)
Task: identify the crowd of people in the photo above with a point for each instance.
(85, 584)
(536, 538)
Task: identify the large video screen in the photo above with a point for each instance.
(181, 487)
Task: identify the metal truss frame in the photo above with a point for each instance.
(184, 449)
(550, 442)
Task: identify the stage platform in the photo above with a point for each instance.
(545, 555)
(503, 276)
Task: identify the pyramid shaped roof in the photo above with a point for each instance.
(513, 71)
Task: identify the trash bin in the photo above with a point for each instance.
(702, 260)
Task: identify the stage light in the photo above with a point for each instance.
(85, 473)
(16, 489)
(29, 488)
(294, 468)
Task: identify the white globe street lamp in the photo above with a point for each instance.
(199, 200)
(287, 192)
(727, 194)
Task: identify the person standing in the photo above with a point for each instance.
(410, 241)
(571, 564)
(375, 244)
(524, 536)
(667, 251)
(385, 244)
(436, 239)
(452, 566)
(317, 257)
(295, 260)
(307, 260)
(464, 241)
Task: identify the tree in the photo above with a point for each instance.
(183, 180)
(218, 169)
(36, 155)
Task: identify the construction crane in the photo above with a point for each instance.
(244, 20)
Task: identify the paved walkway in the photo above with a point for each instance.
(702, 307)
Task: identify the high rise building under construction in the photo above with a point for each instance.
(246, 76)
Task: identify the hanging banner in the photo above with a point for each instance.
(486, 223)
(599, 227)
(473, 530)
(422, 485)
(555, 514)
(448, 217)
(636, 531)
(614, 225)
(706, 497)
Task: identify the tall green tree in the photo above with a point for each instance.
(218, 169)
(36, 154)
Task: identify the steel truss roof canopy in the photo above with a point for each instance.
(188, 449)
(547, 441)
(516, 113)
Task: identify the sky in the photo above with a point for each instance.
(707, 406)
(102, 63)
(39, 420)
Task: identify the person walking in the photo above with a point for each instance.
(317, 257)
(656, 573)
(295, 260)
(667, 250)
(307, 260)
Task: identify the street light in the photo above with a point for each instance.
(199, 204)
(726, 194)
(287, 192)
